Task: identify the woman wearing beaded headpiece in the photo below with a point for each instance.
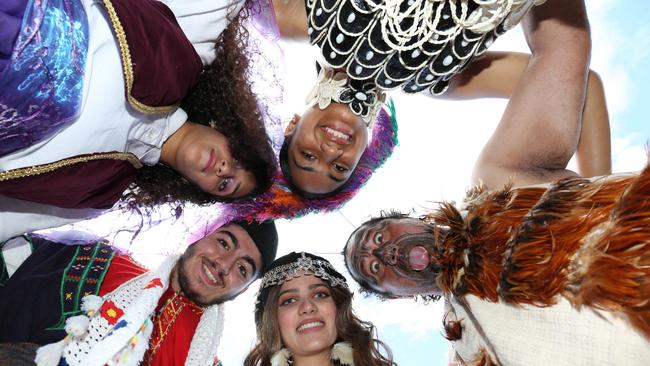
(369, 46)
(304, 317)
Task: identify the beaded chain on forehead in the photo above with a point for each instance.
(291, 266)
(319, 268)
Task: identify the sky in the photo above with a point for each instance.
(439, 142)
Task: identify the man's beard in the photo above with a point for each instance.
(184, 282)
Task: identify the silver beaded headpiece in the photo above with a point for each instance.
(334, 86)
(319, 268)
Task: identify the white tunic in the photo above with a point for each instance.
(558, 335)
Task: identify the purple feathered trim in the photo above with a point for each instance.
(263, 19)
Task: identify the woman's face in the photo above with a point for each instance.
(307, 316)
(204, 158)
(325, 148)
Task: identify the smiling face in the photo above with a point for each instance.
(203, 157)
(325, 148)
(393, 256)
(217, 267)
(307, 316)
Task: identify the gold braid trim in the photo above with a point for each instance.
(127, 65)
(46, 168)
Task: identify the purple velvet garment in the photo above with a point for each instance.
(11, 17)
(164, 63)
(86, 184)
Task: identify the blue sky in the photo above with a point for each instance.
(428, 350)
(628, 21)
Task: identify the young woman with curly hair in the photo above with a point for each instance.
(125, 137)
(304, 317)
(368, 47)
(222, 101)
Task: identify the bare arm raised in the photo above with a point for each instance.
(496, 74)
(539, 130)
(291, 17)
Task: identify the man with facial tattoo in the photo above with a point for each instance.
(539, 266)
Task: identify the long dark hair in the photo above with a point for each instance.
(223, 95)
(360, 334)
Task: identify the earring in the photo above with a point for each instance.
(342, 352)
(291, 120)
(281, 358)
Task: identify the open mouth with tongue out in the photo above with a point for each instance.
(418, 258)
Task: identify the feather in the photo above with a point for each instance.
(471, 253)
(342, 352)
(497, 222)
(611, 272)
(536, 260)
(586, 240)
(482, 359)
(281, 358)
(453, 329)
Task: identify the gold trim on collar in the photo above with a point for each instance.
(127, 64)
(50, 167)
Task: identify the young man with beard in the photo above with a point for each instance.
(171, 315)
(551, 269)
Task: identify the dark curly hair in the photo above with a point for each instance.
(223, 95)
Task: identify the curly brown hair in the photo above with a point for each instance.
(366, 348)
(223, 94)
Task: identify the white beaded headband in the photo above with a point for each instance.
(286, 272)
